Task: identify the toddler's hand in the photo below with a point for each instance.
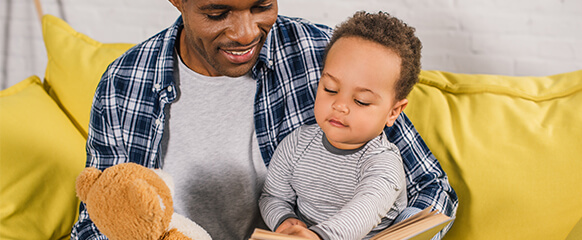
(300, 231)
(288, 223)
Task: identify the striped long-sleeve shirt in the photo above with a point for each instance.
(339, 194)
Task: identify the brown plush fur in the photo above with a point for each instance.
(143, 202)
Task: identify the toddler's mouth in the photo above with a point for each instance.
(337, 123)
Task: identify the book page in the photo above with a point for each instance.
(423, 225)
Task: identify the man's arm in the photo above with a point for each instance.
(126, 120)
(427, 183)
(103, 151)
(85, 228)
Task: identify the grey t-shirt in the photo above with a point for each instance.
(211, 151)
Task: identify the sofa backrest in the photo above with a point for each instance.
(511, 147)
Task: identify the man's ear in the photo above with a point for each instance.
(395, 111)
(177, 4)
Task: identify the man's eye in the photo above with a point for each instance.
(263, 8)
(361, 103)
(217, 16)
(329, 90)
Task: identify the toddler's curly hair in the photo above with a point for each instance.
(392, 33)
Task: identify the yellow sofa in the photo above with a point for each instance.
(511, 146)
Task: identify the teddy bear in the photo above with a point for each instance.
(129, 201)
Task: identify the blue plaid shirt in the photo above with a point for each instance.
(127, 117)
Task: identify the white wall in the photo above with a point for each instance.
(509, 37)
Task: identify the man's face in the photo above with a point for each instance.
(224, 37)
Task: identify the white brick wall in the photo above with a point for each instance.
(509, 37)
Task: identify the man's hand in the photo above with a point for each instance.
(300, 231)
(288, 223)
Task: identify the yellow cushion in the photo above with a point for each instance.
(511, 147)
(41, 154)
(75, 65)
(576, 233)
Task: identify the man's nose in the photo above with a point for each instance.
(244, 30)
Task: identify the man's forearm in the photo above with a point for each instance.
(84, 228)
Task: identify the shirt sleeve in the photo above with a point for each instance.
(105, 146)
(103, 150)
(85, 228)
(277, 202)
(427, 183)
(381, 182)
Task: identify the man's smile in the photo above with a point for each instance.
(239, 53)
(239, 56)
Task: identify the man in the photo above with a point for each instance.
(208, 100)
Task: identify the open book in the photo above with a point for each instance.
(421, 226)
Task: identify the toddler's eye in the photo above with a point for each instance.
(361, 103)
(329, 90)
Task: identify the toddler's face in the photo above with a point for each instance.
(355, 97)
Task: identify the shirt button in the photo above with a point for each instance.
(170, 88)
(157, 86)
(158, 122)
(270, 62)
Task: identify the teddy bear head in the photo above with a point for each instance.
(130, 194)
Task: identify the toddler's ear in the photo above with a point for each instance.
(395, 111)
(85, 181)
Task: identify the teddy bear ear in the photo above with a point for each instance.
(85, 181)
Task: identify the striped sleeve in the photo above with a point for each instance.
(277, 201)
